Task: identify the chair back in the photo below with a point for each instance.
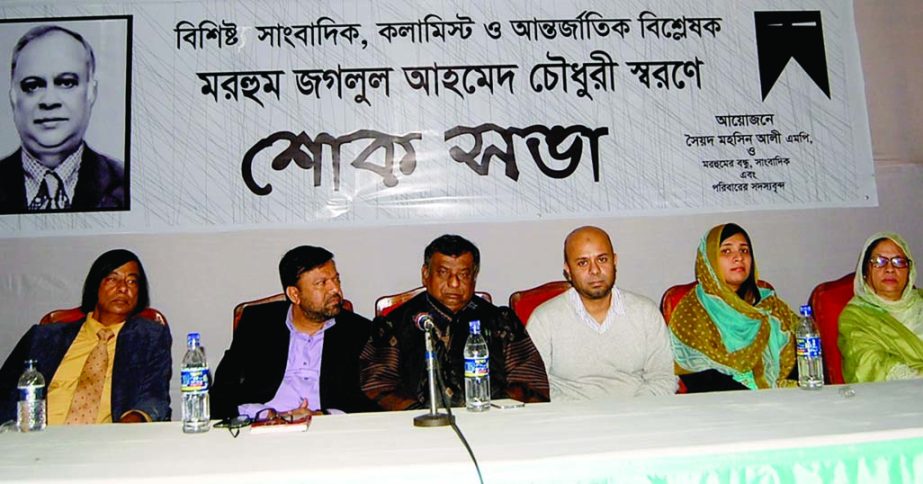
(385, 304)
(239, 309)
(72, 315)
(828, 300)
(525, 301)
(671, 299)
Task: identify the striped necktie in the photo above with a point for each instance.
(85, 405)
(44, 200)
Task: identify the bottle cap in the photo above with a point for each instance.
(475, 326)
(192, 339)
(806, 310)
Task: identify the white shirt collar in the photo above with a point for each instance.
(616, 308)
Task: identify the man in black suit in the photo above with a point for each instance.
(298, 354)
(52, 92)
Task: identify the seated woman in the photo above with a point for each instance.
(728, 333)
(881, 329)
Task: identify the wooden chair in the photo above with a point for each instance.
(239, 309)
(828, 300)
(385, 304)
(525, 301)
(73, 315)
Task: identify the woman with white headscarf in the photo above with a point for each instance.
(881, 329)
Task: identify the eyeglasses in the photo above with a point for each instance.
(269, 414)
(897, 262)
(234, 424)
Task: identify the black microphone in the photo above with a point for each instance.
(424, 322)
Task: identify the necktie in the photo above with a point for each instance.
(44, 200)
(85, 405)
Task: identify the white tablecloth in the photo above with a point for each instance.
(778, 436)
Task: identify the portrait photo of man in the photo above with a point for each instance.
(54, 86)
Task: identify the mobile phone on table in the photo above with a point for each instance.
(504, 403)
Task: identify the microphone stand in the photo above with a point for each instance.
(433, 418)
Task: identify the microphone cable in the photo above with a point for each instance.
(448, 409)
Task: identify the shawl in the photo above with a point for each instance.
(714, 329)
(881, 339)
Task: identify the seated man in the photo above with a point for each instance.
(299, 353)
(597, 340)
(111, 366)
(393, 366)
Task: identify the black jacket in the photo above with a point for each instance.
(140, 373)
(253, 367)
(101, 184)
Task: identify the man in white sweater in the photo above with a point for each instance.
(595, 339)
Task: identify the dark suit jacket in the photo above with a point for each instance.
(100, 184)
(252, 369)
(140, 373)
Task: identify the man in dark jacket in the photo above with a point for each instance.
(298, 354)
(393, 369)
(132, 353)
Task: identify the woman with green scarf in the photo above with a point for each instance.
(881, 329)
(728, 333)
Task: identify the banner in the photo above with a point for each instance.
(217, 115)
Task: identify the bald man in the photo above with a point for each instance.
(597, 340)
(52, 91)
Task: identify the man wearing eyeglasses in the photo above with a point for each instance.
(393, 365)
(598, 340)
(298, 354)
(52, 91)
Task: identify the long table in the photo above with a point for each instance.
(790, 435)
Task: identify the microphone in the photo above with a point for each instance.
(424, 322)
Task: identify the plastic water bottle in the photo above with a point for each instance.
(810, 363)
(194, 386)
(30, 409)
(477, 370)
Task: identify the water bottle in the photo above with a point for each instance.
(30, 409)
(194, 386)
(810, 363)
(477, 370)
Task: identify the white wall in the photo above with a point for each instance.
(198, 278)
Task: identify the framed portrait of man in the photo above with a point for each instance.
(65, 132)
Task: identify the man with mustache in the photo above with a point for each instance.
(393, 366)
(295, 355)
(52, 91)
(598, 340)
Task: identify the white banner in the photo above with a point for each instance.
(242, 114)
